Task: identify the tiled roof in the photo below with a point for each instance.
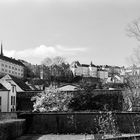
(84, 65)
(21, 84)
(11, 60)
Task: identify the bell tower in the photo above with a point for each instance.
(1, 53)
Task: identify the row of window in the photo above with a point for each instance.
(11, 67)
(12, 72)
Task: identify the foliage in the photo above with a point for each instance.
(131, 92)
(106, 124)
(96, 100)
(51, 100)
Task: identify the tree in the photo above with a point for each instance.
(47, 61)
(132, 91)
(58, 69)
(132, 82)
(133, 30)
(51, 100)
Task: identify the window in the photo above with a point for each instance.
(2, 64)
(13, 109)
(2, 69)
(12, 67)
(5, 65)
(9, 67)
(12, 100)
(15, 68)
(0, 103)
(9, 71)
(13, 88)
(5, 70)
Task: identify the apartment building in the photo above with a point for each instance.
(10, 66)
(88, 70)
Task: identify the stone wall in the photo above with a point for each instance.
(11, 129)
(77, 122)
(8, 115)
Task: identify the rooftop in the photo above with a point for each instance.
(14, 61)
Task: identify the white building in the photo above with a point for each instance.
(83, 69)
(102, 74)
(10, 66)
(7, 97)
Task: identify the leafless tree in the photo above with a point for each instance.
(133, 81)
(133, 29)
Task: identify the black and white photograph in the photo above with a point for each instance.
(69, 70)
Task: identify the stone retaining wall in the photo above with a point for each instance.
(8, 115)
(10, 129)
(77, 122)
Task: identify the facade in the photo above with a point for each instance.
(88, 70)
(101, 71)
(83, 69)
(22, 92)
(133, 70)
(11, 66)
(4, 98)
(7, 97)
(102, 74)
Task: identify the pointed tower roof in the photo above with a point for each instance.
(91, 64)
(1, 53)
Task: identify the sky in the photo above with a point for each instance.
(83, 30)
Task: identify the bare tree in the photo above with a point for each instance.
(133, 29)
(47, 61)
(58, 60)
(132, 81)
(59, 69)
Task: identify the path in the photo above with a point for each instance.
(54, 137)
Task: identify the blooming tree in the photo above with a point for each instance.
(51, 100)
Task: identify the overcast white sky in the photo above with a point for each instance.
(84, 30)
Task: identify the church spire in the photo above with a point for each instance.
(91, 63)
(1, 50)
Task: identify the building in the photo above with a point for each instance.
(10, 66)
(88, 70)
(83, 69)
(132, 70)
(102, 74)
(7, 97)
(23, 92)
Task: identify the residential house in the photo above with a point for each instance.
(7, 97)
(23, 93)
